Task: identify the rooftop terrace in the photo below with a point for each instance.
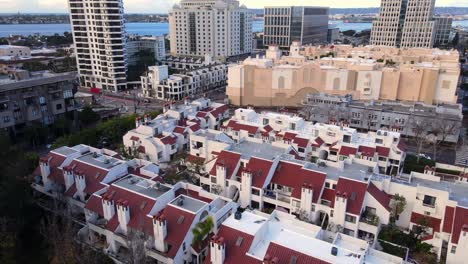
(142, 186)
(188, 203)
(265, 151)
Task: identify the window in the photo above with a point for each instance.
(429, 201)
(58, 107)
(348, 232)
(327, 185)
(213, 179)
(265, 121)
(255, 192)
(350, 218)
(378, 140)
(453, 250)
(301, 150)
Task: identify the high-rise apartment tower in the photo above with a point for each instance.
(99, 35)
(404, 23)
(306, 25)
(220, 28)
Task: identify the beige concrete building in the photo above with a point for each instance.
(404, 23)
(367, 73)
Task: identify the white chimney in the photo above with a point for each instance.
(123, 214)
(80, 182)
(160, 232)
(137, 121)
(45, 169)
(108, 207)
(68, 177)
(217, 250)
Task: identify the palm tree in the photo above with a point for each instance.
(201, 230)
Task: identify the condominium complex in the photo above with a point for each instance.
(220, 28)
(157, 83)
(99, 35)
(443, 28)
(14, 51)
(367, 73)
(161, 138)
(137, 44)
(306, 25)
(309, 193)
(41, 97)
(404, 23)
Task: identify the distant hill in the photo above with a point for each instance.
(374, 10)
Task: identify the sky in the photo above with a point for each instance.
(162, 6)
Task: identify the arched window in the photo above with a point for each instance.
(281, 82)
(336, 84)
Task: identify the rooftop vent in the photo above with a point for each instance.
(239, 241)
(180, 202)
(180, 220)
(334, 251)
(238, 215)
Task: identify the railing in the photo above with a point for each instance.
(370, 219)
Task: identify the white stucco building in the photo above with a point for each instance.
(220, 28)
(100, 43)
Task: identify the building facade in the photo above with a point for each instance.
(367, 73)
(162, 138)
(306, 25)
(409, 119)
(405, 24)
(158, 84)
(14, 51)
(137, 43)
(442, 30)
(35, 98)
(120, 199)
(221, 29)
(100, 43)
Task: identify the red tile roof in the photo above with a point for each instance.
(219, 110)
(141, 149)
(329, 195)
(448, 219)
(383, 151)
(140, 206)
(346, 151)
(134, 138)
(259, 169)
(288, 136)
(238, 127)
(193, 194)
(267, 128)
(379, 195)
(113, 223)
(401, 145)
(195, 127)
(168, 140)
(366, 151)
(55, 161)
(229, 160)
(301, 142)
(433, 222)
(284, 255)
(176, 232)
(201, 114)
(294, 176)
(195, 159)
(460, 220)
(348, 187)
(93, 175)
(94, 204)
(235, 254)
(179, 130)
(318, 142)
(71, 191)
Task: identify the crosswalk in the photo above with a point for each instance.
(461, 158)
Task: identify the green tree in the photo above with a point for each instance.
(202, 230)
(87, 116)
(397, 206)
